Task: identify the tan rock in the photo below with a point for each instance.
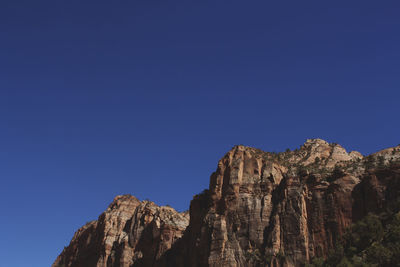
(128, 232)
(277, 209)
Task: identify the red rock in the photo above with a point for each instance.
(261, 208)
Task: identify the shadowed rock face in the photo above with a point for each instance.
(260, 209)
(128, 233)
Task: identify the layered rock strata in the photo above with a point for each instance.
(128, 233)
(261, 209)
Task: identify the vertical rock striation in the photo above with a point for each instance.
(261, 209)
(128, 233)
(268, 209)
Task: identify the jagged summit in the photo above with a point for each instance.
(315, 141)
(316, 152)
(261, 208)
(129, 231)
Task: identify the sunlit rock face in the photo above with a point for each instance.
(261, 209)
(128, 233)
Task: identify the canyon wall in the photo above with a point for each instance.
(261, 209)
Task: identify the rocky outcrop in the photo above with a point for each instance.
(261, 209)
(128, 233)
(268, 209)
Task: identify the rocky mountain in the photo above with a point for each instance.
(128, 233)
(261, 209)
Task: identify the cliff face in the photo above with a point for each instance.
(261, 209)
(128, 233)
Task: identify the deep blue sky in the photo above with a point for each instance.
(100, 98)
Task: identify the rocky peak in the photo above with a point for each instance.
(315, 142)
(328, 154)
(387, 156)
(261, 208)
(275, 209)
(129, 231)
(313, 154)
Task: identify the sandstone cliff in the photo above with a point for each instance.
(261, 209)
(128, 233)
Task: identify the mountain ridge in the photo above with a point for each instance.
(261, 208)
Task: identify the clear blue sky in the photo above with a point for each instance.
(100, 98)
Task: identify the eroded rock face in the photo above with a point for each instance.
(261, 209)
(268, 209)
(128, 233)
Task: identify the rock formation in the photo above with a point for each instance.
(261, 209)
(128, 233)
